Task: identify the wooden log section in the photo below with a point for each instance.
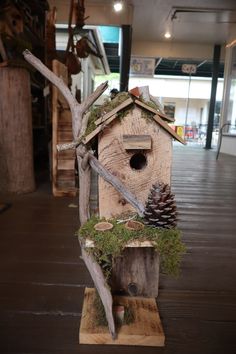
(136, 272)
(16, 143)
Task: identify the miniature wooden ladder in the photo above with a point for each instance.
(63, 162)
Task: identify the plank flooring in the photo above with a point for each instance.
(42, 277)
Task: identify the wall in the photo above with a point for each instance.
(228, 145)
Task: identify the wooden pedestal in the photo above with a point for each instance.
(146, 330)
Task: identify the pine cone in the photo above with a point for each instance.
(160, 209)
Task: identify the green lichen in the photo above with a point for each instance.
(145, 113)
(110, 244)
(149, 103)
(108, 106)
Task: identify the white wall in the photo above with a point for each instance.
(228, 145)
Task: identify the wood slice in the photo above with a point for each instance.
(16, 143)
(134, 225)
(103, 226)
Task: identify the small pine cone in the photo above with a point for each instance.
(160, 209)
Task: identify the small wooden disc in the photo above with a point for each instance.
(134, 225)
(103, 226)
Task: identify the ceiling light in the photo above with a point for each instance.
(167, 35)
(118, 5)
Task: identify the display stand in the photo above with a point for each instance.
(146, 329)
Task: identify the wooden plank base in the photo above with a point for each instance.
(146, 330)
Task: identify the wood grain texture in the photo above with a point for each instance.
(102, 289)
(138, 266)
(137, 142)
(16, 142)
(90, 136)
(61, 134)
(114, 111)
(165, 126)
(146, 330)
(117, 160)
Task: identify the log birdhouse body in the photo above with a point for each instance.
(134, 153)
(135, 147)
(138, 151)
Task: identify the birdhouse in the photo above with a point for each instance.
(135, 145)
(122, 256)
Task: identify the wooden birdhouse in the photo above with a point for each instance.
(122, 255)
(135, 148)
(135, 145)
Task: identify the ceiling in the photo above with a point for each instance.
(189, 21)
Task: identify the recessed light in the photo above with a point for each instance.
(118, 6)
(167, 35)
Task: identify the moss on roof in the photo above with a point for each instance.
(108, 106)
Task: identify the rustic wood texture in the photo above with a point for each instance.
(115, 182)
(16, 142)
(117, 160)
(136, 268)
(165, 126)
(146, 330)
(137, 142)
(114, 111)
(61, 133)
(102, 289)
(90, 136)
(79, 124)
(42, 277)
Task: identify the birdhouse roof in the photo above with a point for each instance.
(158, 117)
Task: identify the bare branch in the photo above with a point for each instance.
(116, 183)
(94, 96)
(102, 288)
(58, 82)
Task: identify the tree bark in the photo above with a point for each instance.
(16, 147)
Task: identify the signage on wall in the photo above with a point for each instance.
(189, 68)
(142, 66)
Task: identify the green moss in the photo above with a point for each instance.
(149, 103)
(145, 114)
(108, 106)
(100, 315)
(110, 244)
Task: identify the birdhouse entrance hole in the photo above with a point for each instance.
(138, 161)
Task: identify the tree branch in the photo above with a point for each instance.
(58, 82)
(116, 183)
(94, 96)
(77, 110)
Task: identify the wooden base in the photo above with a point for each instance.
(146, 330)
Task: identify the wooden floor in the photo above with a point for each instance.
(42, 277)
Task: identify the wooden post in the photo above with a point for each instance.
(16, 148)
(215, 74)
(125, 57)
